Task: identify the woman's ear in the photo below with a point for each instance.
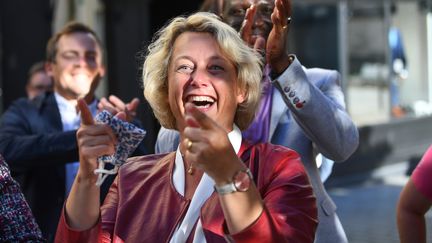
(241, 95)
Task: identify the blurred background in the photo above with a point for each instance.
(382, 48)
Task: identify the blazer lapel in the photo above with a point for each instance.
(51, 113)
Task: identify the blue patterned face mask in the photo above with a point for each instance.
(128, 135)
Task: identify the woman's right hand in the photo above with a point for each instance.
(94, 140)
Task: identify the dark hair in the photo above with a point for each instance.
(212, 6)
(35, 68)
(69, 28)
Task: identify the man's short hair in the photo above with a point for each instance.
(69, 28)
(35, 68)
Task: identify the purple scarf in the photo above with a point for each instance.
(258, 131)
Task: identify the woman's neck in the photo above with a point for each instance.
(193, 177)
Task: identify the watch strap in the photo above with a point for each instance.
(230, 187)
(226, 189)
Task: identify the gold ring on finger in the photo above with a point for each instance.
(189, 144)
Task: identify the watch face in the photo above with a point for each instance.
(242, 181)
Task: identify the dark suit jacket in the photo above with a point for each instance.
(34, 144)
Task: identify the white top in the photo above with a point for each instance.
(202, 193)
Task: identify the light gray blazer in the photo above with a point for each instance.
(308, 115)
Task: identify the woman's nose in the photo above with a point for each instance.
(199, 78)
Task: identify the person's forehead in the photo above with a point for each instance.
(182, 46)
(186, 39)
(40, 77)
(78, 41)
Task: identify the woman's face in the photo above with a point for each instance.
(199, 73)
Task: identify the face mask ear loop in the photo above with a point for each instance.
(103, 173)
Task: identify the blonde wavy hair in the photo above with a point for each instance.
(246, 60)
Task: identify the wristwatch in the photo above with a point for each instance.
(240, 183)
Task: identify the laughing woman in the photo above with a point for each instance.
(201, 79)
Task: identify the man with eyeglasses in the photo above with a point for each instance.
(38, 137)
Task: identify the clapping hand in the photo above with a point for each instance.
(93, 140)
(276, 44)
(115, 105)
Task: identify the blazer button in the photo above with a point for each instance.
(287, 89)
(291, 94)
(296, 100)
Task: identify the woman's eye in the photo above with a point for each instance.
(185, 69)
(216, 68)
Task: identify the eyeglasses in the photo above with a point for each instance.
(74, 57)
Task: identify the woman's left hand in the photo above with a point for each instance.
(207, 146)
(212, 151)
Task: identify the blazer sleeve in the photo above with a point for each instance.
(290, 213)
(65, 234)
(101, 232)
(26, 143)
(316, 101)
